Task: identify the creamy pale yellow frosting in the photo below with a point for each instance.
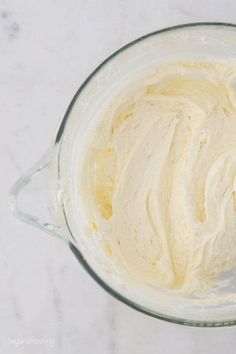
(159, 177)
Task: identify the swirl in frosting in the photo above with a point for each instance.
(159, 179)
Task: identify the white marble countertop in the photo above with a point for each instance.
(48, 304)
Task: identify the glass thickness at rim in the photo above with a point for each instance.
(76, 252)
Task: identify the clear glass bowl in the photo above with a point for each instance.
(45, 196)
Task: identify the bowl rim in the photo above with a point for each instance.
(78, 254)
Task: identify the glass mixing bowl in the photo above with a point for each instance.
(46, 195)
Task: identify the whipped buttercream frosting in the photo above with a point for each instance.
(158, 180)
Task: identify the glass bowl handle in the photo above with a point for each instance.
(33, 198)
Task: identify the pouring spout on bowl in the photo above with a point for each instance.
(34, 197)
